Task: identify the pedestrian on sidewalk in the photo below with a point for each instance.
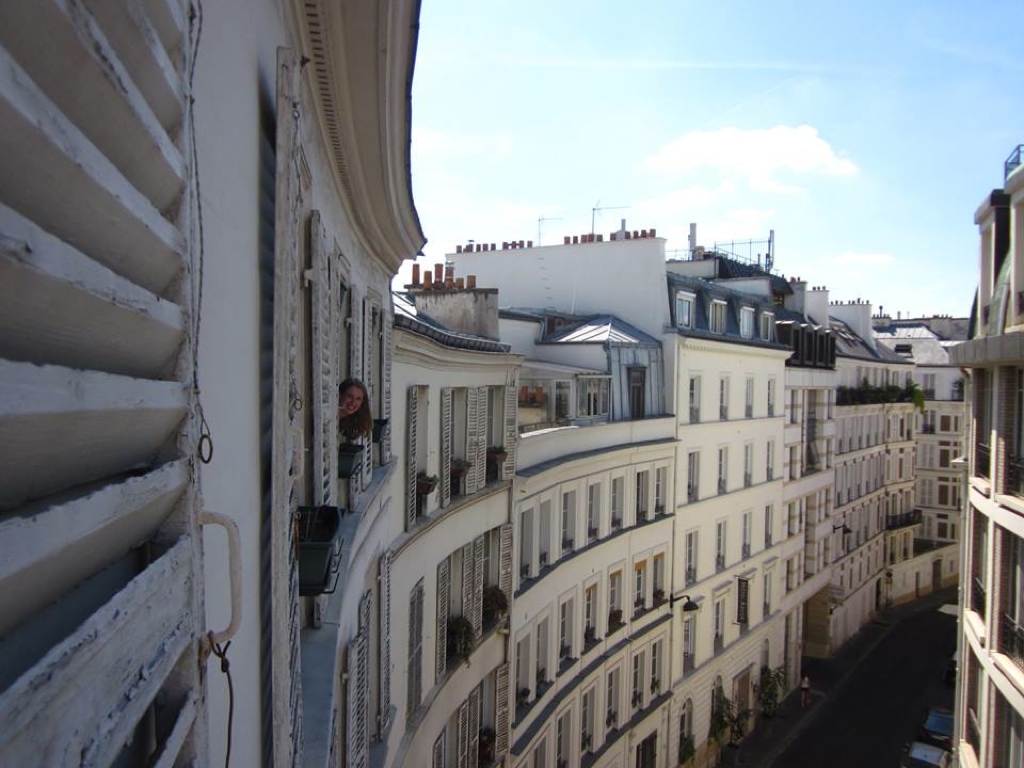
(805, 692)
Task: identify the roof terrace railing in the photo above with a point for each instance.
(1013, 161)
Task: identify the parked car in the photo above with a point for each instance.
(920, 755)
(937, 728)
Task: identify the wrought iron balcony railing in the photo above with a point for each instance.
(977, 596)
(893, 522)
(1012, 640)
(1015, 476)
(982, 460)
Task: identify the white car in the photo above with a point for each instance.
(921, 755)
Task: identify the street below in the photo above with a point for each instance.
(869, 720)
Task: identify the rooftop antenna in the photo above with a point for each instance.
(769, 258)
(598, 207)
(540, 221)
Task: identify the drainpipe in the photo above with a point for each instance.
(961, 463)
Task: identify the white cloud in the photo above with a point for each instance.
(755, 155)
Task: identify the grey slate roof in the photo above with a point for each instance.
(600, 329)
(408, 318)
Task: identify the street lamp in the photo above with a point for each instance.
(689, 606)
(842, 526)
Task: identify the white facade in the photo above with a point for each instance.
(989, 727)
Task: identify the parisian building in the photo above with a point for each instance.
(989, 728)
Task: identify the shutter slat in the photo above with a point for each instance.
(463, 722)
(446, 446)
(323, 379)
(109, 219)
(385, 640)
(87, 426)
(508, 469)
(385, 442)
(414, 682)
(468, 572)
(478, 586)
(104, 322)
(505, 570)
(501, 711)
(441, 625)
(412, 404)
(438, 752)
(472, 439)
(479, 458)
(474, 727)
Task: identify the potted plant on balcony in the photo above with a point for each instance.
(686, 748)
(522, 696)
(659, 596)
(769, 689)
(318, 543)
(461, 637)
(495, 604)
(350, 459)
(425, 484)
(459, 468)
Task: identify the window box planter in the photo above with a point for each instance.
(497, 454)
(614, 619)
(425, 484)
(350, 460)
(380, 428)
(318, 541)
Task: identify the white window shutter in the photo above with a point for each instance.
(358, 683)
(476, 616)
(472, 439)
(446, 446)
(479, 457)
(508, 469)
(463, 761)
(468, 571)
(385, 641)
(414, 682)
(474, 727)
(505, 561)
(501, 711)
(385, 384)
(438, 754)
(441, 636)
(323, 381)
(355, 349)
(412, 404)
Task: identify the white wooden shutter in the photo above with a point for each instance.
(384, 717)
(501, 710)
(505, 561)
(387, 320)
(97, 319)
(463, 723)
(480, 456)
(474, 727)
(508, 469)
(473, 482)
(355, 349)
(438, 752)
(286, 685)
(446, 446)
(324, 383)
(370, 380)
(412, 404)
(441, 626)
(414, 682)
(476, 616)
(468, 572)
(358, 681)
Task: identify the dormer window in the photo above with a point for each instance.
(768, 326)
(747, 322)
(716, 317)
(684, 309)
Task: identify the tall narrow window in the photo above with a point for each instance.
(771, 397)
(590, 613)
(768, 523)
(637, 392)
(694, 399)
(613, 693)
(723, 398)
(637, 698)
(720, 545)
(618, 501)
(716, 320)
(747, 523)
(660, 480)
(684, 310)
(642, 491)
(748, 465)
(593, 510)
(723, 469)
(568, 521)
(692, 476)
(719, 624)
(768, 326)
(769, 460)
(689, 643)
(640, 585)
(747, 322)
(691, 557)
(748, 400)
(565, 622)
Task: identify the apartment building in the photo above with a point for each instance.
(197, 251)
(990, 682)
(450, 561)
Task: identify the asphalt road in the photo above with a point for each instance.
(867, 722)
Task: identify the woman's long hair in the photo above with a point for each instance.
(360, 423)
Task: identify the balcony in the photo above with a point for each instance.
(895, 522)
(719, 563)
(721, 485)
(1011, 642)
(723, 412)
(694, 414)
(977, 596)
(748, 411)
(691, 494)
(1014, 476)
(691, 576)
(927, 429)
(767, 540)
(748, 479)
(982, 460)
(769, 474)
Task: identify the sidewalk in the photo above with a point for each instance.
(772, 737)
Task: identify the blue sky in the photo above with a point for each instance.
(864, 133)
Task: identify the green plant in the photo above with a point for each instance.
(770, 687)
(495, 600)
(720, 711)
(461, 637)
(686, 747)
